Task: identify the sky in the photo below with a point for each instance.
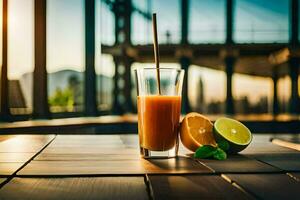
(255, 20)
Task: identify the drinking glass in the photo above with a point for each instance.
(159, 108)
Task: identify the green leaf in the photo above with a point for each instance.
(205, 151)
(219, 154)
(224, 145)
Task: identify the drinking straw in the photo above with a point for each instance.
(156, 51)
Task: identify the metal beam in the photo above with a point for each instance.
(122, 79)
(90, 102)
(294, 73)
(229, 68)
(122, 10)
(185, 63)
(275, 93)
(184, 21)
(117, 93)
(4, 104)
(40, 96)
(294, 22)
(229, 21)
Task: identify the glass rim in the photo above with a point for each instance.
(161, 68)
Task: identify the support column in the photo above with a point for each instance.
(4, 105)
(90, 102)
(294, 22)
(40, 94)
(122, 86)
(229, 68)
(184, 21)
(229, 21)
(128, 85)
(117, 98)
(122, 79)
(185, 63)
(294, 73)
(122, 10)
(275, 94)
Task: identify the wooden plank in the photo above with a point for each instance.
(104, 138)
(194, 187)
(104, 120)
(284, 161)
(75, 188)
(287, 144)
(131, 140)
(296, 175)
(2, 180)
(237, 164)
(25, 143)
(9, 168)
(15, 157)
(5, 137)
(84, 157)
(179, 165)
(268, 186)
(262, 144)
(83, 168)
(91, 150)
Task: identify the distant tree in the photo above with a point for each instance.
(70, 96)
(74, 85)
(62, 98)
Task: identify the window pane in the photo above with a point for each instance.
(20, 55)
(207, 89)
(104, 64)
(261, 21)
(107, 23)
(105, 70)
(65, 54)
(1, 13)
(168, 21)
(252, 94)
(141, 27)
(207, 21)
(284, 93)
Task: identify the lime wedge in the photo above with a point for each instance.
(234, 132)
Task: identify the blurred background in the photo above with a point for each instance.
(68, 58)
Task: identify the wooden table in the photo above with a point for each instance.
(109, 167)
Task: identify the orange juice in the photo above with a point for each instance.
(158, 121)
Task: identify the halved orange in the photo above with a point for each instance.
(196, 130)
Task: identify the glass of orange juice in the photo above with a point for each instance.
(159, 108)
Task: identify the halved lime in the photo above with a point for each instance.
(234, 132)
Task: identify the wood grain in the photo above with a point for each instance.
(75, 188)
(237, 164)
(85, 157)
(268, 186)
(90, 144)
(262, 144)
(9, 168)
(284, 161)
(194, 187)
(5, 137)
(15, 157)
(158, 166)
(25, 143)
(91, 150)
